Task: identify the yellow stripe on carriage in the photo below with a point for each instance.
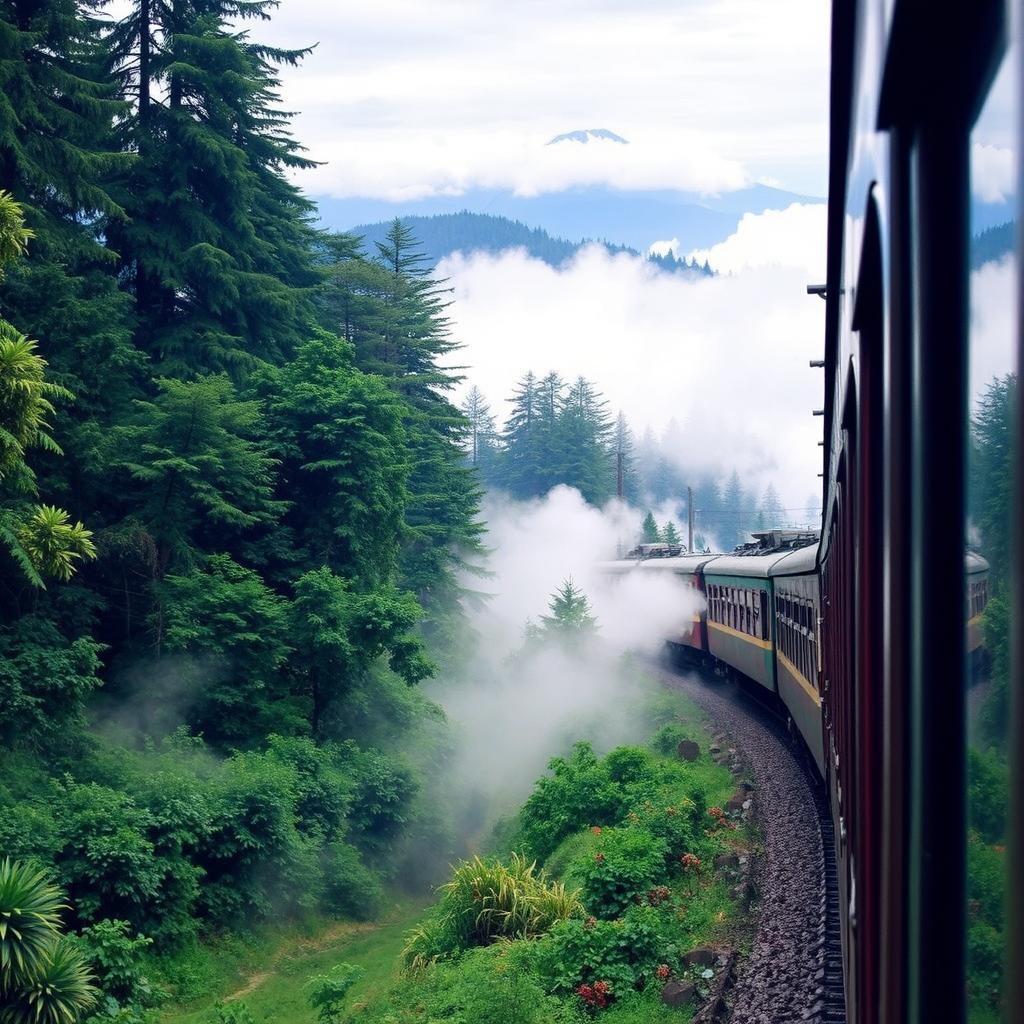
(765, 645)
(800, 678)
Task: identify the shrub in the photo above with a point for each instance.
(985, 955)
(578, 793)
(986, 880)
(674, 824)
(327, 991)
(624, 953)
(626, 864)
(488, 900)
(115, 957)
(382, 795)
(350, 887)
(988, 796)
(58, 993)
(667, 739)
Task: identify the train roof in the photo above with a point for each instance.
(801, 562)
(974, 563)
(679, 563)
(744, 565)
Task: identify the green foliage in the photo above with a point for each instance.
(988, 794)
(327, 992)
(570, 619)
(625, 865)
(649, 531)
(43, 977)
(623, 952)
(487, 900)
(45, 679)
(667, 739)
(115, 957)
(351, 889)
(30, 906)
(235, 1012)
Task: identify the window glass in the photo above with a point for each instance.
(993, 389)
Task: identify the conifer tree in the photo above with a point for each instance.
(521, 457)
(570, 616)
(584, 442)
(733, 509)
(669, 534)
(773, 514)
(649, 532)
(481, 446)
(216, 243)
(624, 460)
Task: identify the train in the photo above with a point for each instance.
(869, 634)
(759, 618)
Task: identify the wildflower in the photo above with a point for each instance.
(999, 849)
(590, 922)
(716, 812)
(690, 862)
(663, 971)
(596, 829)
(599, 857)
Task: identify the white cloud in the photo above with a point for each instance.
(993, 172)
(726, 357)
(794, 237)
(407, 98)
(664, 247)
(993, 323)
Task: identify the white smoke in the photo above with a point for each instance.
(512, 710)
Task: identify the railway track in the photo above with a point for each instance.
(793, 972)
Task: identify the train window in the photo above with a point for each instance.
(992, 389)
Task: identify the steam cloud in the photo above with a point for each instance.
(513, 713)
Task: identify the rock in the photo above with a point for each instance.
(747, 786)
(702, 956)
(727, 861)
(714, 749)
(677, 993)
(734, 804)
(688, 750)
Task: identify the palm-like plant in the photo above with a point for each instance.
(43, 976)
(30, 906)
(59, 993)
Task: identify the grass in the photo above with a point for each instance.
(269, 971)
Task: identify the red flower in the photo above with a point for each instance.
(716, 812)
(690, 862)
(596, 829)
(599, 857)
(663, 971)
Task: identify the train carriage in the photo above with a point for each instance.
(739, 623)
(797, 610)
(689, 569)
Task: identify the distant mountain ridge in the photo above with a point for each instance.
(584, 135)
(442, 234)
(633, 218)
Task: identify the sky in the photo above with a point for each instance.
(404, 98)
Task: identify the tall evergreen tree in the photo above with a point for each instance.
(734, 512)
(649, 531)
(216, 243)
(625, 460)
(669, 533)
(522, 451)
(585, 439)
(482, 436)
(771, 510)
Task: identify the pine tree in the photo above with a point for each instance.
(650, 534)
(771, 510)
(670, 535)
(584, 432)
(570, 617)
(521, 450)
(482, 439)
(733, 512)
(625, 461)
(216, 243)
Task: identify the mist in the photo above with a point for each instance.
(517, 705)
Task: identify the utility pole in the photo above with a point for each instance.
(689, 519)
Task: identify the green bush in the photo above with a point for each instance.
(115, 957)
(579, 793)
(626, 864)
(350, 887)
(327, 992)
(624, 952)
(986, 953)
(667, 739)
(986, 880)
(487, 900)
(988, 794)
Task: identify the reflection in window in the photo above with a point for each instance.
(993, 390)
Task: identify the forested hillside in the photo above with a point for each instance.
(560, 432)
(233, 498)
(445, 233)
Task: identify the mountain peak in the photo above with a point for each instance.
(585, 135)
